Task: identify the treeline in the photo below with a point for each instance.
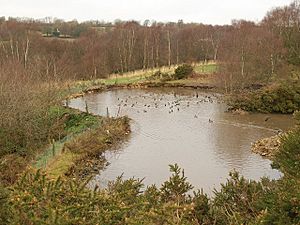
(259, 54)
(248, 53)
(125, 46)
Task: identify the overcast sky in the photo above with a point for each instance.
(201, 11)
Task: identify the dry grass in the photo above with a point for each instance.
(60, 164)
(205, 73)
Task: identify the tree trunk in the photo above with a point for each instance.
(177, 52)
(12, 48)
(272, 64)
(145, 52)
(17, 51)
(26, 53)
(243, 69)
(169, 49)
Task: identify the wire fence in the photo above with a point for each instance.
(56, 147)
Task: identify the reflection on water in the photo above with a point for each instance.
(185, 127)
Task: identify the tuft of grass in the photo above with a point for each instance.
(78, 122)
(60, 164)
(124, 80)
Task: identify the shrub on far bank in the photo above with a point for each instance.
(284, 98)
(183, 71)
(163, 77)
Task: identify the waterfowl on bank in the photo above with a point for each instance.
(267, 118)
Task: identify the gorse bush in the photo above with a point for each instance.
(283, 198)
(288, 158)
(35, 199)
(284, 98)
(177, 186)
(280, 203)
(158, 75)
(183, 71)
(238, 200)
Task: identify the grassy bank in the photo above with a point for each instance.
(58, 155)
(72, 123)
(82, 155)
(85, 138)
(63, 125)
(203, 77)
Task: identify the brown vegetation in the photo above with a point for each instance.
(89, 147)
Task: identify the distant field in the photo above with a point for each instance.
(206, 68)
(125, 80)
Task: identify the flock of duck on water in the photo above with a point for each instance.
(171, 105)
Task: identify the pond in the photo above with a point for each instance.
(189, 127)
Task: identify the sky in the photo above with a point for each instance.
(199, 11)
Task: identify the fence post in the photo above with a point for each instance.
(86, 107)
(53, 147)
(107, 112)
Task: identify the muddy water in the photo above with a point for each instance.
(186, 127)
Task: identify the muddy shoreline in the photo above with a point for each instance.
(100, 88)
(267, 147)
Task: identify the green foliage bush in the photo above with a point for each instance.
(35, 199)
(282, 99)
(280, 203)
(163, 77)
(283, 199)
(288, 158)
(237, 201)
(183, 71)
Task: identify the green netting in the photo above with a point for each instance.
(51, 151)
(56, 148)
